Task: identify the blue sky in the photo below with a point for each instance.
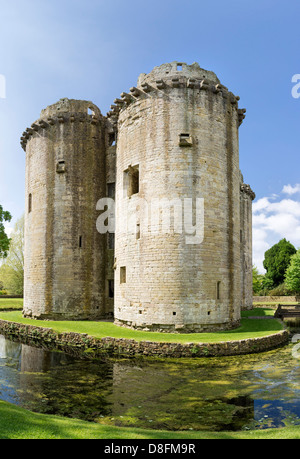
(96, 49)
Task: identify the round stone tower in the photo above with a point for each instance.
(177, 249)
(65, 177)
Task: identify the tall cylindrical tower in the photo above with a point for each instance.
(177, 202)
(65, 177)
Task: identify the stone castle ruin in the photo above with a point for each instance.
(140, 215)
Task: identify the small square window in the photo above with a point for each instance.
(61, 166)
(185, 140)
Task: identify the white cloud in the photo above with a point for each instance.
(289, 189)
(8, 229)
(275, 218)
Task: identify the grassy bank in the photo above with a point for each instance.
(17, 423)
(249, 328)
(11, 303)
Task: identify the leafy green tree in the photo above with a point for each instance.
(257, 280)
(4, 240)
(12, 270)
(292, 277)
(277, 260)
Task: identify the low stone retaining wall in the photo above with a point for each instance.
(89, 347)
(276, 299)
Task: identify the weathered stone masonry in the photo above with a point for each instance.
(88, 347)
(171, 140)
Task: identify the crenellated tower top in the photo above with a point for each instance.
(65, 110)
(174, 75)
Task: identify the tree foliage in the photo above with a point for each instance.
(292, 277)
(277, 260)
(257, 280)
(12, 270)
(4, 239)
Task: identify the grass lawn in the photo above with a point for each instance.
(249, 328)
(11, 303)
(18, 423)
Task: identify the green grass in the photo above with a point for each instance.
(11, 303)
(18, 423)
(258, 312)
(249, 328)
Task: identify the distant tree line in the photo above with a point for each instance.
(282, 277)
(12, 259)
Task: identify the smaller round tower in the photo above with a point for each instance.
(65, 177)
(246, 198)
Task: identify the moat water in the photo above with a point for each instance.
(226, 393)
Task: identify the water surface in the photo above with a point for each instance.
(225, 393)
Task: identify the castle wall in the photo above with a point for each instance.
(163, 282)
(246, 197)
(168, 155)
(110, 236)
(65, 176)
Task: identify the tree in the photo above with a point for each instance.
(257, 280)
(4, 240)
(277, 260)
(292, 277)
(12, 270)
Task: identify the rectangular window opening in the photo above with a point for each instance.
(111, 292)
(111, 240)
(138, 231)
(132, 180)
(122, 274)
(80, 242)
(179, 67)
(29, 203)
(112, 139)
(218, 290)
(111, 190)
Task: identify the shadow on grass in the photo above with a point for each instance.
(17, 423)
